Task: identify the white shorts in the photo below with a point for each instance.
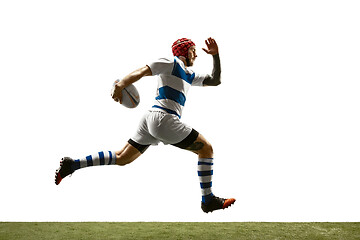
(158, 126)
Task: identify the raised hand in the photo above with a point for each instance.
(212, 47)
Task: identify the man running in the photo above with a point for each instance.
(162, 123)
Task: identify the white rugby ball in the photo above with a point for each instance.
(130, 96)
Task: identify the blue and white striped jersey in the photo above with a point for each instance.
(174, 81)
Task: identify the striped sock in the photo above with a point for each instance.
(101, 158)
(205, 172)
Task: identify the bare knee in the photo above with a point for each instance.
(120, 159)
(127, 155)
(124, 159)
(201, 147)
(206, 151)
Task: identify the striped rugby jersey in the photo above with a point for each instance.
(174, 81)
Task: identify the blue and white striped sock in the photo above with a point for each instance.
(205, 172)
(101, 158)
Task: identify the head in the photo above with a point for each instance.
(185, 49)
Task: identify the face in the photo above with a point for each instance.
(192, 55)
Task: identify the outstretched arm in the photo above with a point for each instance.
(214, 78)
(129, 79)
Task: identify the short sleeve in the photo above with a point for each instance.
(198, 80)
(161, 66)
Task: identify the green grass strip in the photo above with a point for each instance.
(160, 230)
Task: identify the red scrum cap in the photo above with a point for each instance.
(181, 47)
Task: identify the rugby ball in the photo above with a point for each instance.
(130, 96)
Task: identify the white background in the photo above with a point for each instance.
(284, 124)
